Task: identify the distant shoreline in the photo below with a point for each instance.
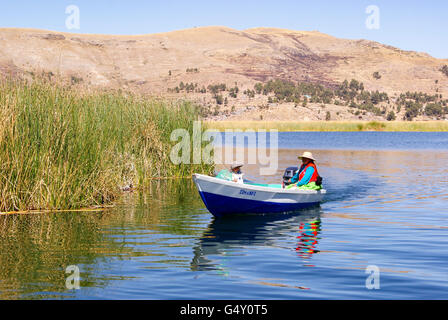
(333, 126)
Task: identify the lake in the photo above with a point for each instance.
(387, 207)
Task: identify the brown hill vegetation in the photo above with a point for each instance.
(205, 57)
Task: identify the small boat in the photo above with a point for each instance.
(223, 198)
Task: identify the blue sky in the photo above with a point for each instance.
(409, 25)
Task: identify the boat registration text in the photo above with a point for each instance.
(248, 193)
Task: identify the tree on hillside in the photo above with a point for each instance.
(305, 102)
(377, 75)
(391, 116)
(434, 109)
(354, 85)
(412, 110)
(258, 87)
(219, 99)
(444, 70)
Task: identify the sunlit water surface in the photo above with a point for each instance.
(387, 206)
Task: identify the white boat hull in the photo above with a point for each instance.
(223, 197)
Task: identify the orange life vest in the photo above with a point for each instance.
(303, 170)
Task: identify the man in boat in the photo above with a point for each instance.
(237, 175)
(234, 174)
(307, 178)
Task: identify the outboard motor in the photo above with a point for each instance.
(289, 173)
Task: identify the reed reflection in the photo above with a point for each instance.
(36, 249)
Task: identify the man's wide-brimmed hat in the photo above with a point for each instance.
(307, 155)
(236, 165)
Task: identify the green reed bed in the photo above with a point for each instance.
(61, 149)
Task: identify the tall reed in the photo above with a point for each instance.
(61, 149)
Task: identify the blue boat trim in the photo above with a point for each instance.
(220, 205)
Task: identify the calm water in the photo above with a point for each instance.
(387, 206)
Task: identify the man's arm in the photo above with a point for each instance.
(296, 177)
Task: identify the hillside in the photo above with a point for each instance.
(211, 55)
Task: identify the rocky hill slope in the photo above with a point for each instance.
(211, 55)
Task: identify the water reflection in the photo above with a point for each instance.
(308, 238)
(225, 238)
(36, 249)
